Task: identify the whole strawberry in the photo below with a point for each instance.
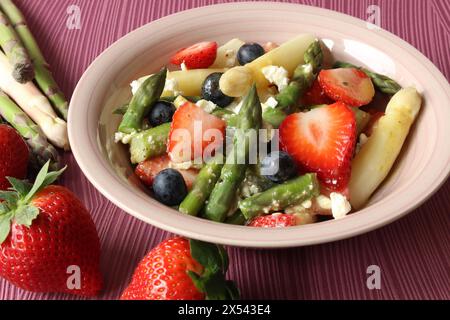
(14, 155)
(181, 269)
(48, 241)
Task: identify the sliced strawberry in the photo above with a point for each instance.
(198, 56)
(316, 96)
(275, 220)
(148, 169)
(322, 141)
(349, 85)
(374, 117)
(192, 131)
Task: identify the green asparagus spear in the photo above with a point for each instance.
(43, 75)
(41, 149)
(141, 103)
(383, 83)
(254, 182)
(281, 196)
(149, 143)
(202, 188)
(193, 99)
(123, 108)
(274, 116)
(303, 77)
(233, 172)
(23, 70)
(237, 219)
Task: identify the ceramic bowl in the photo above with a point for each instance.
(421, 169)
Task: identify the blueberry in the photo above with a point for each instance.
(211, 91)
(278, 167)
(169, 187)
(162, 112)
(249, 52)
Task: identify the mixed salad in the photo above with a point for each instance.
(314, 144)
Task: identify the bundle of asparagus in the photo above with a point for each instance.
(34, 109)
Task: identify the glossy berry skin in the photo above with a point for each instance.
(162, 112)
(63, 234)
(162, 274)
(249, 52)
(147, 171)
(211, 90)
(275, 220)
(278, 167)
(169, 187)
(14, 156)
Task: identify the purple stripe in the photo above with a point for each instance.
(413, 253)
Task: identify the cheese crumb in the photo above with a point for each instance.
(123, 137)
(271, 102)
(362, 141)
(230, 56)
(276, 75)
(324, 202)
(206, 105)
(183, 66)
(339, 205)
(171, 85)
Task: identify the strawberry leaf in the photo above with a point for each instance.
(208, 255)
(9, 196)
(25, 215)
(5, 227)
(22, 187)
(212, 282)
(38, 182)
(52, 177)
(43, 179)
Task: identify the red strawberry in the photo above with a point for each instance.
(185, 143)
(198, 56)
(316, 96)
(322, 141)
(275, 220)
(181, 269)
(148, 169)
(349, 85)
(14, 155)
(48, 241)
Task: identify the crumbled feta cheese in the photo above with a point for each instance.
(183, 66)
(307, 204)
(276, 75)
(362, 141)
(230, 56)
(123, 137)
(135, 85)
(271, 102)
(184, 165)
(339, 205)
(236, 105)
(171, 85)
(206, 105)
(324, 202)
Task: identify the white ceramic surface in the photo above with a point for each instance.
(423, 165)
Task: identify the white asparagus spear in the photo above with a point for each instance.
(376, 158)
(34, 104)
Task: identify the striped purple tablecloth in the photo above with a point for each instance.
(413, 254)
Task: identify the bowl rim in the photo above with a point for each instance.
(205, 230)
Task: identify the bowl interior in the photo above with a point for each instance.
(105, 86)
